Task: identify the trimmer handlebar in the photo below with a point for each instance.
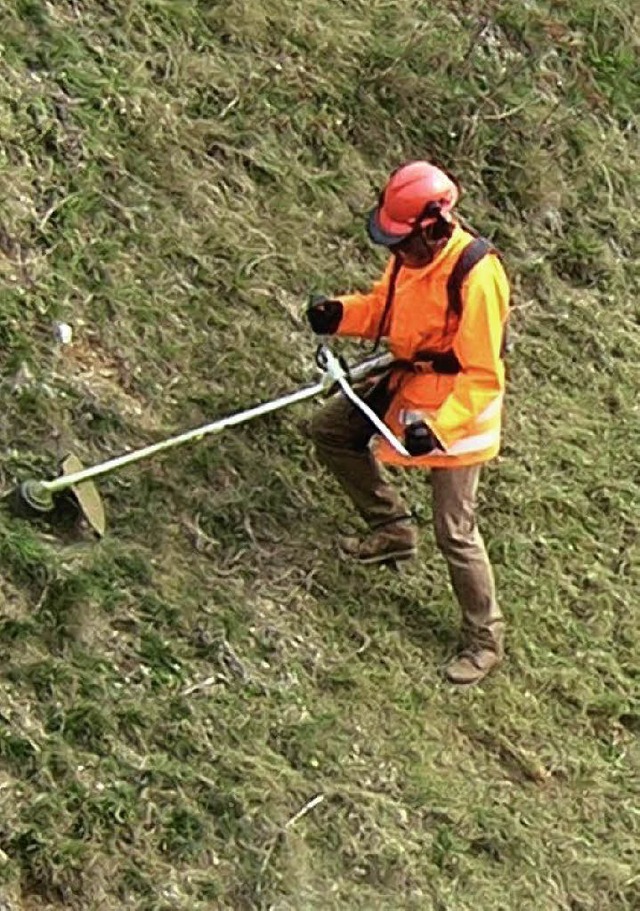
(334, 368)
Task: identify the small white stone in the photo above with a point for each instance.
(63, 333)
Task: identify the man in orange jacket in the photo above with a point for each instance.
(442, 306)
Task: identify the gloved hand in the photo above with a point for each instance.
(324, 314)
(419, 440)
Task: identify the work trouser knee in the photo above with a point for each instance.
(458, 538)
(341, 435)
(338, 425)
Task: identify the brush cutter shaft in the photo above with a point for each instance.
(196, 434)
(308, 392)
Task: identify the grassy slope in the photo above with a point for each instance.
(176, 176)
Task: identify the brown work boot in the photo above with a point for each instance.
(472, 665)
(392, 542)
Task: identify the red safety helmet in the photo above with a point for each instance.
(416, 195)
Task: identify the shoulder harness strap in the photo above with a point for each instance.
(470, 257)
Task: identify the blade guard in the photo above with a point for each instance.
(85, 495)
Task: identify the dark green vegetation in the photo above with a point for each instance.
(175, 178)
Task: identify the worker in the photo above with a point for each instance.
(441, 305)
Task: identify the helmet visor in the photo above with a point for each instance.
(389, 233)
(395, 234)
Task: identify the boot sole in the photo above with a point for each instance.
(390, 558)
(465, 684)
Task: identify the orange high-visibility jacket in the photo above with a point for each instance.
(464, 409)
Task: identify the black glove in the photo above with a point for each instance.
(324, 314)
(420, 440)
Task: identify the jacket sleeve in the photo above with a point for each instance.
(478, 346)
(363, 312)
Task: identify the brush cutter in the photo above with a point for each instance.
(36, 498)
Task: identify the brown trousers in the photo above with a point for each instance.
(341, 435)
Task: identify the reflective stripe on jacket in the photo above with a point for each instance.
(464, 409)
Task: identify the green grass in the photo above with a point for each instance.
(206, 710)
